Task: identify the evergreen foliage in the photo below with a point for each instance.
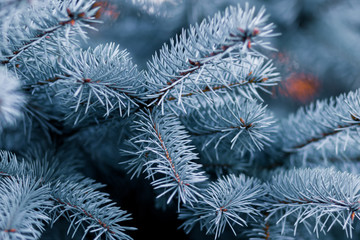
(163, 149)
(11, 98)
(23, 208)
(226, 202)
(325, 196)
(193, 123)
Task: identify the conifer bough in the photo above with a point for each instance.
(195, 107)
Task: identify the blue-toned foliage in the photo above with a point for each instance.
(194, 115)
(318, 198)
(97, 82)
(85, 207)
(11, 98)
(73, 196)
(321, 119)
(212, 57)
(24, 204)
(342, 146)
(234, 122)
(48, 167)
(163, 150)
(228, 202)
(323, 130)
(35, 30)
(265, 230)
(87, 84)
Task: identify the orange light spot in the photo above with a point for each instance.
(223, 209)
(106, 9)
(352, 216)
(249, 43)
(300, 86)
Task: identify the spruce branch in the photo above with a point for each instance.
(231, 121)
(200, 92)
(319, 120)
(11, 98)
(9, 165)
(100, 81)
(318, 198)
(37, 78)
(84, 206)
(87, 84)
(263, 230)
(48, 168)
(226, 202)
(75, 197)
(337, 148)
(163, 150)
(211, 56)
(23, 208)
(11, 7)
(42, 26)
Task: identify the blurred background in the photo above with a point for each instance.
(318, 57)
